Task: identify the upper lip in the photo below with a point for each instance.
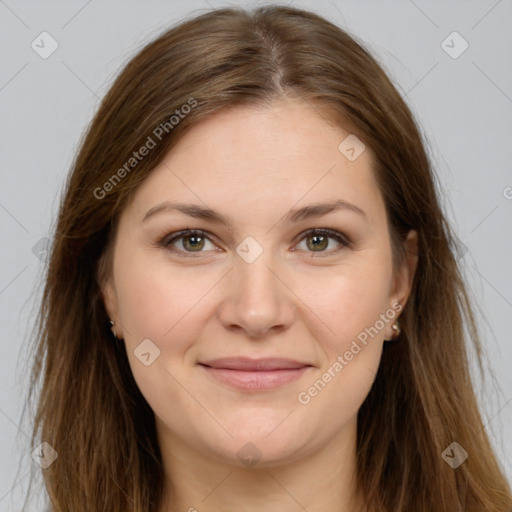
(248, 364)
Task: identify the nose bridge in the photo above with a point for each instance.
(256, 299)
(258, 278)
(256, 271)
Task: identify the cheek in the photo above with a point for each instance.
(353, 306)
(164, 304)
(157, 300)
(349, 300)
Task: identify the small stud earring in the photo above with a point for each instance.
(112, 323)
(396, 328)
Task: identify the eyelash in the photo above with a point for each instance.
(168, 240)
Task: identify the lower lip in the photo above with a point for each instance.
(255, 380)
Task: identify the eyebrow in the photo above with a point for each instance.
(294, 215)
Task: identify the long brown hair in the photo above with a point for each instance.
(89, 408)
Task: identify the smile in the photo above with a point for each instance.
(255, 374)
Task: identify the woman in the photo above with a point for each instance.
(252, 300)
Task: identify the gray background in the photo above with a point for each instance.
(463, 104)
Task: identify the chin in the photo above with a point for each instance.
(265, 441)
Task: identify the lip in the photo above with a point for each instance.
(255, 374)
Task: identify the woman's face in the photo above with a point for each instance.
(253, 329)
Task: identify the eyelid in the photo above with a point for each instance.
(170, 238)
(333, 233)
(341, 238)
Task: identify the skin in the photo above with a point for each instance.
(294, 301)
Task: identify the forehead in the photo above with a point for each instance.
(262, 159)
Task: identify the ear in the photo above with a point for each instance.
(107, 286)
(404, 276)
(108, 292)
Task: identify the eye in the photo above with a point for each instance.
(193, 242)
(188, 241)
(319, 240)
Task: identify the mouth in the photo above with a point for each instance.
(255, 374)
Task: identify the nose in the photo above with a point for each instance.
(257, 300)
